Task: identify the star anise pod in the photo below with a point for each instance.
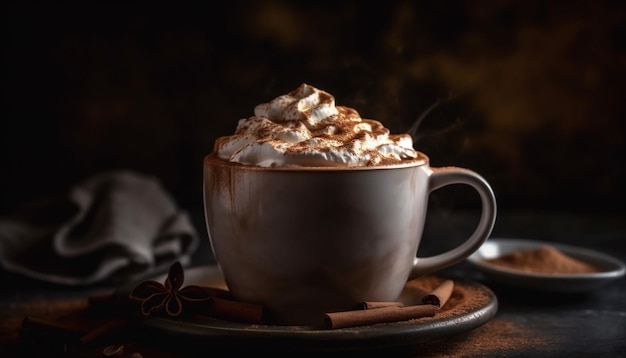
(156, 297)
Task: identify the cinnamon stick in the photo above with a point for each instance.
(440, 294)
(100, 300)
(355, 318)
(369, 305)
(236, 310)
(31, 322)
(111, 326)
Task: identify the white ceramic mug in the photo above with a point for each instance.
(306, 241)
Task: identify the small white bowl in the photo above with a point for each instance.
(611, 268)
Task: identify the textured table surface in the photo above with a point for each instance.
(526, 323)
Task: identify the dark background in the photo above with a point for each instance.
(530, 93)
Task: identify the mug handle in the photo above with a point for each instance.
(440, 177)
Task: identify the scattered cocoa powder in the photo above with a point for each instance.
(545, 259)
(497, 337)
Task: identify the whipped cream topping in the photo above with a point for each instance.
(305, 128)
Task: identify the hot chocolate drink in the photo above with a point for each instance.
(311, 209)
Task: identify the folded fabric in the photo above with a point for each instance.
(113, 226)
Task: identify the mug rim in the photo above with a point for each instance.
(213, 159)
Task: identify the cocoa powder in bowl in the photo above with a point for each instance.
(544, 259)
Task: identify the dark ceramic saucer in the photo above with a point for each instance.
(198, 333)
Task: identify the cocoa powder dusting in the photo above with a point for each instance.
(544, 259)
(498, 336)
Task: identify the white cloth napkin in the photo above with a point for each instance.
(112, 226)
